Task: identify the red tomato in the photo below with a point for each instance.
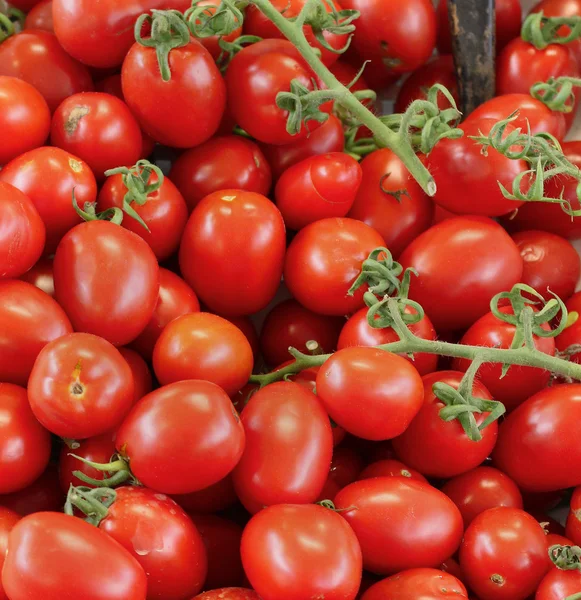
(417, 583)
(98, 128)
(290, 324)
(43, 494)
(36, 57)
(398, 221)
(197, 439)
(232, 251)
(345, 466)
(558, 585)
(24, 118)
(193, 100)
(293, 552)
(48, 177)
(65, 547)
(40, 17)
(106, 279)
(571, 335)
(142, 380)
(390, 468)
(24, 5)
(25, 444)
(527, 450)
(246, 326)
(373, 407)
(573, 527)
(8, 519)
(400, 523)
(203, 346)
(323, 261)
(257, 74)
(441, 448)
(462, 263)
(228, 162)
(215, 498)
(358, 332)
(41, 276)
(288, 450)
(483, 488)
(228, 594)
(29, 319)
(504, 554)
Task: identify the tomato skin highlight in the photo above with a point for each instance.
(40, 17)
(40, 276)
(558, 584)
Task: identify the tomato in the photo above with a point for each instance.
(36, 57)
(558, 585)
(228, 162)
(290, 422)
(345, 466)
(29, 319)
(80, 558)
(105, 38)
(228, 594)
(399, 221)
(232, 251)
(527, 449)
(504, 554)
(573, 527)
(8, 519)
(40, 17)
(212, 43)
(43, 494)
(203, 346)
(390, 468)
(99, 129)
(40, 275)
(222, 542)
(48, 176)
(293, 552)
(462, 263)
(519, 383)
(400, 523)
(214, 498)
(142, 380)
(358, 332)
(417, 583)
(571, 335)
(106, 279)
(254, 78)
(24, 5)
(193, 100)
(246, 326)
(197, 439)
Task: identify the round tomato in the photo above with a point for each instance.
(558, 585)
(301, 551)
(462, 263)
(232, 251)
(197, 439)
(41, 276)
(504, 554)
(106, 278)
(573, 527)
(8, 519)
(43, 494)
(142, 380)
(228, 594)
(40, 17)
(390, 468)
(215, 498)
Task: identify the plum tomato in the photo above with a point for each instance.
(390, 467)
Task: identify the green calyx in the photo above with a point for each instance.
(117, 472)
(92, 502)
(6, 27)
(566, 558)
(214, 20)
(89, 212)
(541, 31)
(557, 94)
(230, 49)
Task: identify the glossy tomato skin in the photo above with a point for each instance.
(63, 546)
(80, 386)
(40, 276)
(36, 57)
(358, 332)
(438, 448)
(192, 447)
(162, 538)
(287, 419)
(87, 268)
(29, 320)
(280, 564)
(228, 594)
(573, 526)
(390, 468)
(221, 163)
(400, 523)
(558, 584)
(8, 519)
(203, 346)
(240, 275)
(417, 583)
(397, 222)
(25, 443)
(40, 17)
(504, 554)
(22, 232)
(98, 128)
(184, 111)
(48, 176)
(481, 260)
(165, 213)
(526, 450)
(142, 379)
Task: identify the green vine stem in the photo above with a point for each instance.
(557, 93)
(93, 503)
(541, 31)
(117, 470)
(6, 27)
(566, 558)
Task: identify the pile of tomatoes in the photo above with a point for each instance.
(137, 458)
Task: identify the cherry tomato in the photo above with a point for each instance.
(214, 498)
(573, 527)
(36, 57)
(41, 276)
(29, 319)
(571, 335)
(48, 177)
(462, 263)
(232, 251)
(78, 557)
(142, 380)
(504, 554)
(228, 162)
(228, 594)
(558, 585)
(40, 17)
(197, 439)
(8, 519)
(295, 551)
(398, 217)
(43, 494)
(531, 441)
(390, 468)
(400, 523)
(287, 419)
(106, 279)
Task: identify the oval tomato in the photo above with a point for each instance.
(390, 468)
(558, 585)
(41, 276)
(8, 519)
